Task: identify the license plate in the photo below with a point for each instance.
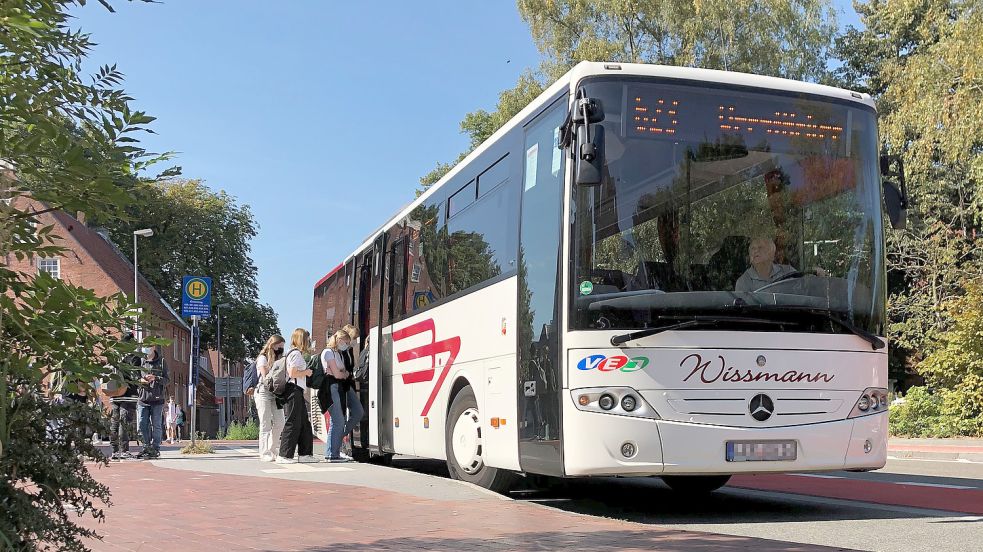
(760, 451)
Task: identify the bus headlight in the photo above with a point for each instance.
(628, 403)
(872, 401)
(606, 402)
(622, 401)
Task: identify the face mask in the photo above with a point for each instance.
(278, 351)
(343, 346)
(146, 350)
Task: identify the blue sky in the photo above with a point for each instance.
(321, 117)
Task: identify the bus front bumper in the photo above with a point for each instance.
(595, 444)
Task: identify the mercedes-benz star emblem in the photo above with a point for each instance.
(761, 407)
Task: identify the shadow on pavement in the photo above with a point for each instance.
(648, 500)
(594, 541)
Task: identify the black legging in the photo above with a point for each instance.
(297, 432)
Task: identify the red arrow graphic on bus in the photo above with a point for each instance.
(450, 345)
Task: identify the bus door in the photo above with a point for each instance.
(383, 341)
(367, 388)
(399, 395)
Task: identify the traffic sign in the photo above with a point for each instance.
(228, 387)
(196, 296)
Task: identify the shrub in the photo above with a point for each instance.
(248, 431)
(200, 446)
(944, 413)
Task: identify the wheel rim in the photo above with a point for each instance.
(466, 441)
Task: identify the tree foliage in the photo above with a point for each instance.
(923, 61)
(782, 38)
(201, 232)
(70, 141)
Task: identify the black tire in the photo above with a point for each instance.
(465, 406)
(383, 459)
(695, 484)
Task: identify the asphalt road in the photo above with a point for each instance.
(909, 505)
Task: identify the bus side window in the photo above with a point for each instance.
(483, 240)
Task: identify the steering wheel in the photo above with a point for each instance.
(789, 276)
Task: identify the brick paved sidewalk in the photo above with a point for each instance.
(158, 508)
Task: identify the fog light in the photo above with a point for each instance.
(629, 403)
(628, 449)
(606, 402)
(864, 403)
(868, 446)
(583, 400)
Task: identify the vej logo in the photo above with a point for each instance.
(610, 364)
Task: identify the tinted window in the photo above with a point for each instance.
(428, 260)
(482, 239)
(461, 199)
(493, 176)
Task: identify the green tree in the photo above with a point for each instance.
(923, 61)
(782, 38)
(69, 141)
(201, 232)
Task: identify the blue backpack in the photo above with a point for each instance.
(250, 379)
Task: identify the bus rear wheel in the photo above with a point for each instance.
(695, 484)
(465, 447)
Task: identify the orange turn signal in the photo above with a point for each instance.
(495, 423)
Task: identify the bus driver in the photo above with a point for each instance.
(763, 270)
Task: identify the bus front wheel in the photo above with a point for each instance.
(465, 446)
(695, 484)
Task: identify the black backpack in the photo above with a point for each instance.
(316, 380)
(250, 379)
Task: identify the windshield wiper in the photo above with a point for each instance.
(876, 343)
(688, 322)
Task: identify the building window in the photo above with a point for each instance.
(174, 344)
(51, 266)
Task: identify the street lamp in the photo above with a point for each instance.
(145, 233)
(218, 309)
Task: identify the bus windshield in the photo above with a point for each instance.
(716, 203)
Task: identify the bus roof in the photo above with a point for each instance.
(586, 69)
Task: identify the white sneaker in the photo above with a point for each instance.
(267, 458)
(308, 460)
(282, 460)
(345, 456)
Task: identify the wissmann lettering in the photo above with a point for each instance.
(721, 372)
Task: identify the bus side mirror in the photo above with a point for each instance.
(895, 190)
(585, 115)
(590, 158)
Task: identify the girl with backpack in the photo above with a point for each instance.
(297, 433)
(339, 397)
(270, 414)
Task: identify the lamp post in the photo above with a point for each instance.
(218, 310)
(145, 233)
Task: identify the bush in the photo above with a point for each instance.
(248, 431)
(200, 446)
(944, 413)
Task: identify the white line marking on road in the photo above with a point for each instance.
(302, 468)
(957, 460)
(819, 476)
(940, 485)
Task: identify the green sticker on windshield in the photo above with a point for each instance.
(586, 287)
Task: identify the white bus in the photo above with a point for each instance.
(648, 271)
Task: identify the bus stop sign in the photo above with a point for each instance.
(196, 296)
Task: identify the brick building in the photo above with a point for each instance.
(92, 261)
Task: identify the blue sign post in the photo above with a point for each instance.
(196, 302)
(196, 296)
